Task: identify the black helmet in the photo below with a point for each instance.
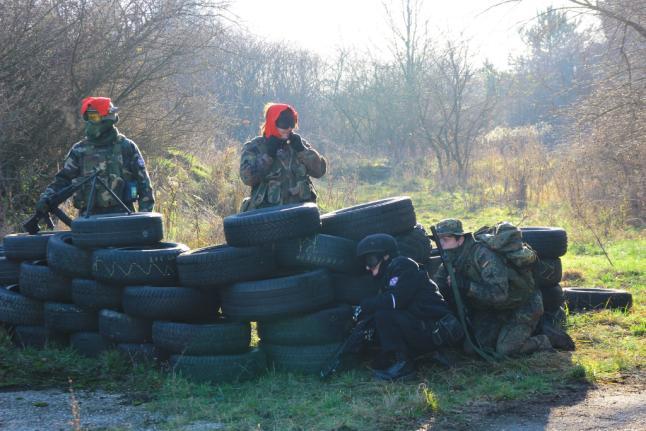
(378, 243)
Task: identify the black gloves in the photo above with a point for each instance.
(296, 142)
(272, 143)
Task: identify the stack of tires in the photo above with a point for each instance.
(219, 351)
(255, 287)
(99, 285)
(550, 243)
(29, 286)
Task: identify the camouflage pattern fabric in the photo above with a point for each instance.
(283, 179)
(121, 166)
(509, 333)
(502, 302)
(507, 240)
(449, 226)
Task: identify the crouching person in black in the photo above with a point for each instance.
(410, 316)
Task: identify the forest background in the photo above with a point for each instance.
(559, 137)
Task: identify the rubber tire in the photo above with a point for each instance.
(547, 242)
(415, 244)
(547, 272)
(17, 309)
(69, 318)
(591, 298)
(274, 224)
(177, 304)
(221, 338)
(22, 246)
(95, 295)
(331, 325)
(117, 230)
(38, 337)
(221, 368)
(141, 353)
(90, 344)
(278, 297)
(155, 265)
(67, 259)
(38, 281)
(299, 359)
(319, 251)
(352, 289)
(392, 216)
(9, 272)
(221, 264)
(553, 297)
(121, 328)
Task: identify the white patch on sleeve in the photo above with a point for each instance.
(140, 162)
(393, 298)
(393, 281)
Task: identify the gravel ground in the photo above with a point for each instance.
(52, 409)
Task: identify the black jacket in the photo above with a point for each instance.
(404, 286)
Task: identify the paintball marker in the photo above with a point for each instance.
(31, 225)
(362, 332)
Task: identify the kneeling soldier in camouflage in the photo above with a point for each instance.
(116, 157)
(501, 300)
(410, 316)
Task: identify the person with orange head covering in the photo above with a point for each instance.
(278, 164)
(104, 149)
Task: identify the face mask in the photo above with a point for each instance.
(96, 130)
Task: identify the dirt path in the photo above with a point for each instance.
(580, 408)
(616, 407)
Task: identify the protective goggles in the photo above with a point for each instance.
(93, 116)
(285, 123)
(372, 260)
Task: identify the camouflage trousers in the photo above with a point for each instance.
(509, 332)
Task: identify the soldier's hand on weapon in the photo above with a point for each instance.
(296, 142)
(42, 207)
(272, 145)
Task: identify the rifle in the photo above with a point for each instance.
(361, 333)
(31, 225)
(484, 353)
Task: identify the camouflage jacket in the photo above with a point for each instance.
(487, 281)
(122, 168)
(281, 180)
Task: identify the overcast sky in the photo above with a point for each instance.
(323, 26)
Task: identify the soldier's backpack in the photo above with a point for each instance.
(507, 240)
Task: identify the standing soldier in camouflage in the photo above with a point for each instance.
(502, 303)
(116, 157)
(279, 163)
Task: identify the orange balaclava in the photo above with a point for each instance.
(272, 112)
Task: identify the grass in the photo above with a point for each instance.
(610, 348)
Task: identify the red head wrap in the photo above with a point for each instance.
(102, 105)
(271, 115)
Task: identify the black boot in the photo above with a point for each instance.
(402, 369)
